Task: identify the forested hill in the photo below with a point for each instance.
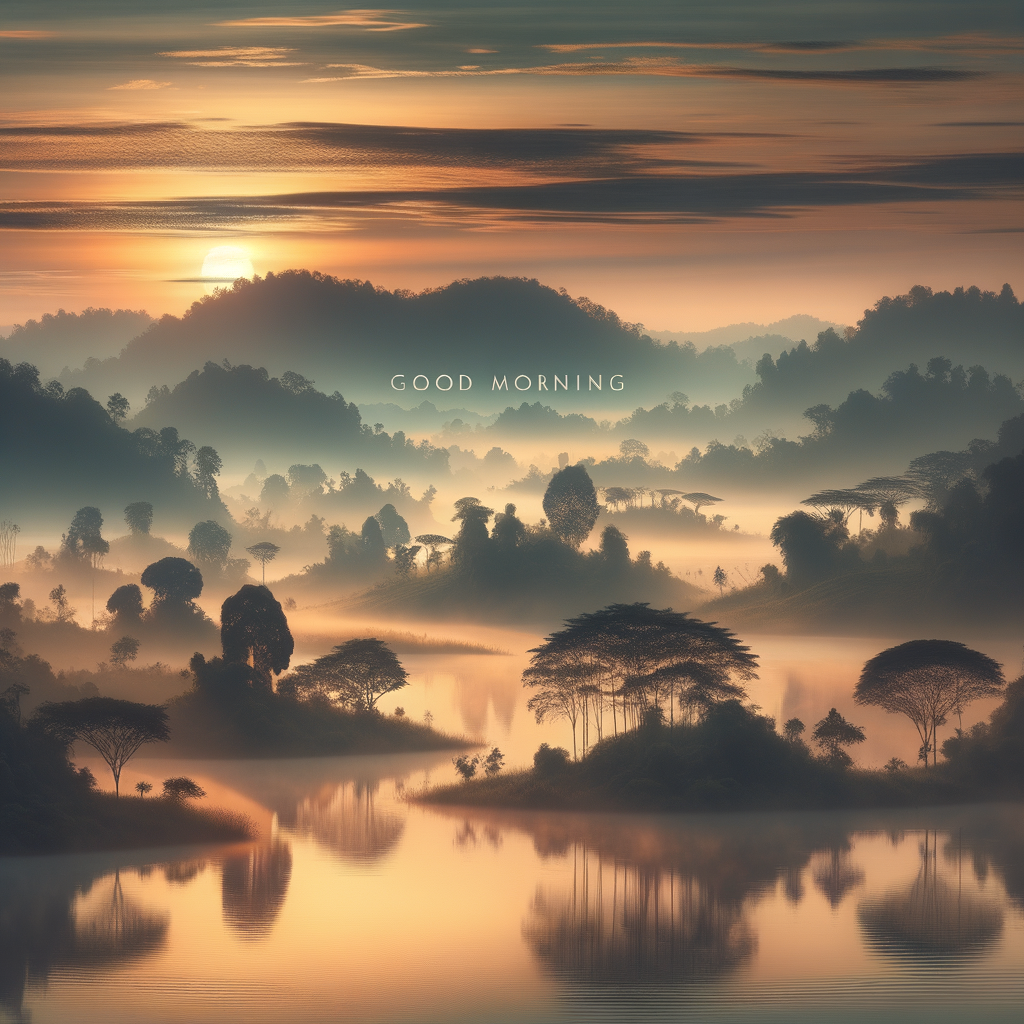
(966, 326)
(63, 450)
(247, 414)
(350, 335)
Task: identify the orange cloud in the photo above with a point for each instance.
(25, 33)
(371, 20)
(140, 83)
(237, 56)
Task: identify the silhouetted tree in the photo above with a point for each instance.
(175, 583)
(614, 548)
(405, 559)
(209, 543)
(570, 504)
(62, 610)
(208, 465)
(434, 542)
(123, 651)
(125, 604)
(928, 680)
(255, 629)
(508, 530)
(83, 538)
(633, 449)
(720, 579)
(472, 539)
(139, 517)
(356, 674)
(832, 734)
(810, 545)
(306, 479)
(793, 730)
(116, 729)
(275, 492)
(117, 406)
(182, 788)
(373, 540)
(142, 788)
(393, 527)
(699, 499)
(265, 551)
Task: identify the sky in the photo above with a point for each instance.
(688, 165)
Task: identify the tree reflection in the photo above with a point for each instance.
(347, 820)
(835, 876)
(931, 920)
(254, 886)
(622, 924)
(44, 927)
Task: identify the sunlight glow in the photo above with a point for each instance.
(225, 263)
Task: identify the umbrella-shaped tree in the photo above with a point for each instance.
(116, 729)
(928, 680)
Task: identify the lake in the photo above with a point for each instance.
(356, 905)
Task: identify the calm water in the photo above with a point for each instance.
(358, 906)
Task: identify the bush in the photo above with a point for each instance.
(550, 760)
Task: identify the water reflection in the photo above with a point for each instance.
(43, 927)
(254, 885)
(621, 924)
(933, 919)
(835, 875)
(349, 820)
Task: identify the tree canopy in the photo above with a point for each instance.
(254, 626)
(928, 680)
(174, 581)
(115, 728)
(356, 674)
(570, 504)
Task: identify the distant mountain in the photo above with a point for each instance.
(62, 451)
(350, 335)
(750, 340)
(62, 339)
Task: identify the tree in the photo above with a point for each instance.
(793, 730)
(810, 545)
(125, 604)
(209, 543)
(83, 538)
(928, 680)
(142, 788)
(8, 540)
(373, 540)
(472, 539)
(116, 729)
(466, 766)
(641, 655)
(405, 559)
(614, 547)
(355, 674)
(832, 734)
(720, 579)
(175, 582)
(117, 406)
(493, 762)
(208, 465)
(182, 788)
(699, 499)
(139, 517)
(265, 551)
(434, 542)
(570, 504)
(275, 492)
(633, 449)
(123, 651)
(254, 628)
(393, 527)
(62, 610)
(508, 531)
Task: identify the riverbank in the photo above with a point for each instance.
(101, 821)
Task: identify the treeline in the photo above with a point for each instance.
(246, 411)
(62, 449)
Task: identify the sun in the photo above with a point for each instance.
(224, 264)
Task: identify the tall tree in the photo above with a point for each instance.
(393, 527)
(125, 604)
(928, 680)
(208, 465)
(265, 551)
(117, 406)
(116, 729)
(83, 539)
(253, 627)
(139, 517)
(832, 734)
(570, 504)
(175, 582)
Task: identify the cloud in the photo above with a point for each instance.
(662, 198)
(25, 33)
(140, 83)
(674, 68)
(371, 20)
(237, 56)
(313, 145)
(477, 49)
